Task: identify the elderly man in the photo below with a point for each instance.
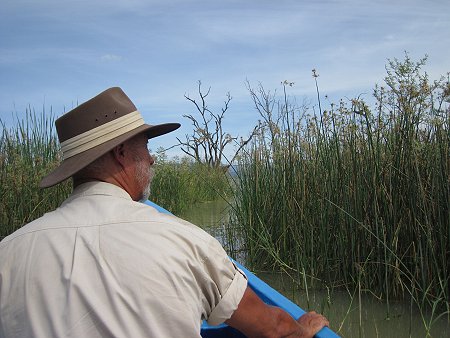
(103, 265)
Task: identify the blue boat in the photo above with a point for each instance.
(268, 294)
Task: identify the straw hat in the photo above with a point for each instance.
(94, 128)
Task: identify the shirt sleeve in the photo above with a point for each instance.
(228, 284)
(230, 300)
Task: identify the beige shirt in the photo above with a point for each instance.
(103, 265)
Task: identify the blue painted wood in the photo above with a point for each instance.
(268, 294)
(272, 297)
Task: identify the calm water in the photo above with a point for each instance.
(365, 316)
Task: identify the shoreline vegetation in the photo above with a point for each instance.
(349, 197)
(353, 197)
(30, 150)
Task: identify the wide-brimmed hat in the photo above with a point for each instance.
(94, 128)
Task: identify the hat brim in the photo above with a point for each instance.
(72, 165)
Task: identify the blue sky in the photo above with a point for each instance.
(56, 53)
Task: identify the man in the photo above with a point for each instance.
(102, 265)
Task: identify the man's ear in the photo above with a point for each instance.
(118, 153)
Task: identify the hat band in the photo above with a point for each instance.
(101, 134)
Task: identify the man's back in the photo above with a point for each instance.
(103, 265)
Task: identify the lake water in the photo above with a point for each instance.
(365, 316)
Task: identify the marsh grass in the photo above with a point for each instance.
(180, 183)
(28, 151)
(354, 197)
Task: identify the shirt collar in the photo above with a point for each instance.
(99, 188)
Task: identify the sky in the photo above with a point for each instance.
(56, 54)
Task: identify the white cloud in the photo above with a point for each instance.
(111, 58)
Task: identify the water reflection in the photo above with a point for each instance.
(211, 216)
(352, 315)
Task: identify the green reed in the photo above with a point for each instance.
(353, 196)
(28, 151)
(179, 184)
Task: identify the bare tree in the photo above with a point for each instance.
(208, 140)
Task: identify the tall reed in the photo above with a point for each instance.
(28, 151)
(180, 183)
(354, 196)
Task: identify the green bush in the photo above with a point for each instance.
(178, 184)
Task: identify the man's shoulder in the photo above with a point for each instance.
(30, 227)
